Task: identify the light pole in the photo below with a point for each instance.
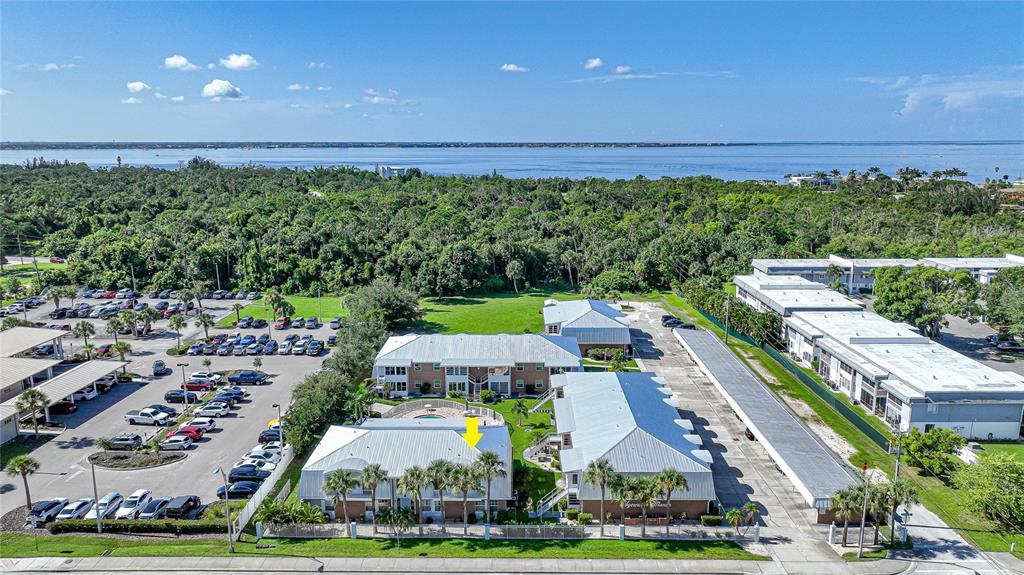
(227, 508)
(216, 267)
(96, 498)
(727, 300)
(864, 511)
(184, 390)
(132, 268)
(280, 422)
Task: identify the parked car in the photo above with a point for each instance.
(160, 368)
(247, 376)
(314, 348)
(238, 490)
(285, 349)
(299, 322)
(170, 411)
(1010, 345)
(311, 323)
(260, 464)
(192, 385)
(155, 509)
(147, 416)
(271, 446)
(195, 349)
(175, 443)
(126, 441)
(270, 347)
(204, 423)
(670, 322)
(335, 323)
(45, 350)
(245, 322)
(140, 306)
(261, 454)
(179, 507)
(299, 347)
(259, 323)
(135, 503)
(292, 337)
(76, 509)
(218, 294)
(63, 408)
(59, 313)
(247, 473)
(235, 391)
(332, 340)
(282, 322)
(226, 398)
(180, 396)
(269, 435)
(106, 506)
(45, 511)
(749, 434)
(253, 295)
(85, 394)
(192, 434)
(239, 349)
(213, 410)
(225, 349)
(161, 305)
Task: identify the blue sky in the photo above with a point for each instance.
(511, 72)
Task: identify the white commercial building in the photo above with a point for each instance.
(981, 269)
(594, 323)
(787, 294)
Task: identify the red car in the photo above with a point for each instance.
(103, 350)
(282, 322)
(62, 408)
(109, 294)
(197, 386)
(56, 260)
(193, 435)
(193, 429)
(170, 312)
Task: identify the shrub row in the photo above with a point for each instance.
(710, 520)
(179, 527)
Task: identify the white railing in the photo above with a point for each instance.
(419, 404)
(551, 499)
(253, 503)
(540, 445)
(506, 532)
(543, 400)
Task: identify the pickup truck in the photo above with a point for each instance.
(148, 416)
(248, 377)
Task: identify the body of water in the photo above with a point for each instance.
(739, 162)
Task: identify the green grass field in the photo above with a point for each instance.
(1014, 449)
(17, 545)
(533, 480)
(487, 313)
(304, 306)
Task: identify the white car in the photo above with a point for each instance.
(205, 376)
(76, 509)
(176, 443)
(264, 455)
(84, 394)
(107, 505)
(271, 446)
(135, 503)
(213, 409)
(237, 389)
(261, 464)
(204, 423)
(285, 349)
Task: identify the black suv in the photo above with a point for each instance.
(268, 435)
(247, 473)
(126, 441)
(178, 396)
(181, 506)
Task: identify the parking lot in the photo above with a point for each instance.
(64, 470)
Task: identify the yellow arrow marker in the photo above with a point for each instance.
(472, 435)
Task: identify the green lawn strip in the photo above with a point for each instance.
(949, 504)
(304, 307)
(531, 480)
(1014, 449)
(19, 545)
(21, 446)
(487, 313)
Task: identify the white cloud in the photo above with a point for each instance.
(132, 100)
(159, 96)
(346, 105)
(316, 65)
(324, 88)
(616, 78)
(371, 96)
(966, 92)
(48, 67)
(592, 63)
(211, 66)
(240, 62)
(623, 69)
(513, 68)
(4, 92)
(297, 88)
(218, 90)
(177, 98)
(136, 87)
(181, 63)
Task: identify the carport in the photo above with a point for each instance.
(19, 370)
(20, 339)
(814, 470)
(67, 383)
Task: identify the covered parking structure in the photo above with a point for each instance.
(18, 340)
(18, 374)
(813, 469)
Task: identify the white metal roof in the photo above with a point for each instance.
(585, 313)
(18, 339)
(15, 369)
(1008, 261)
(551, 350)
(65, 384)
(789, 294)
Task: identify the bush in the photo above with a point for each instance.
(176, 526)
(471, 517)
(573, 514)
(601, 353)
(710, 520)
(584, 518)
(488, 396)
(454, 395)
(425, 387)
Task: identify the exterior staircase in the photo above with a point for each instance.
(548, 502)
(543, 400)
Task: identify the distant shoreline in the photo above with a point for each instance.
(26, 145)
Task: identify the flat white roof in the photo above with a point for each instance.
(18, 339)
(15, 369)
(790, 295)
(73, 379)
(974, 263)
(791, 263)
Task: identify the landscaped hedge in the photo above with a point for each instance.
(177, 526)
(710, 520)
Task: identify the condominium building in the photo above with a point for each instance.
(468, 364)
(594, 323)
(981, 269)
(786, 294)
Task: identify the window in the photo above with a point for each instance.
(520, 384)
(399, 386)
(932, 408)
(416, 367)
(519, 367)
(928, 427)
(575, 479)
(437, 383)
(553, 328)
(437, 367)
(389, 370)
(456, 370)
(556, 370)
(540, 367)
(539, 384)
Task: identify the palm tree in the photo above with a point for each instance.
(735, 518)
(670, 480)
(600, 473)
(623, 492)
(205, 321)
(373, 475)
(414, 479)
(257, 363)
(130, 318)
(439, 475)
(24, 466)
(359, 401)
(88, 349)
(878, 506)
(520, 410)
(514, 271)
(338, 484)
(273, 300)
(752, 511)
(122, 348)
(148, 316)
(900, 492)
(464, 479)
(33, 401)
(399, 519)
(207, 362)
(84, 330)
(644, 490)
(113, 326)
(237, 308)
(197, 291)
(177, 323)
(489, 465)
(844, 505)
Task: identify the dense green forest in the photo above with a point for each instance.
(333, 229)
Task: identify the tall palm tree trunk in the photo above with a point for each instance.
(602, 506)
(28, 496)
(465, 514)
(846, 525)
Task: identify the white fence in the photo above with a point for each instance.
(418, 404)
(508, 532)
(246, 513)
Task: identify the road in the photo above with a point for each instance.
(64, 471)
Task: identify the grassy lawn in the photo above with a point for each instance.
(528, 479)
(603, 365)
(1014, 449)
(79, 546)
(948, 503)
(304, 306)
(487, 313)
(21, 446)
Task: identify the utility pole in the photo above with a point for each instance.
(727, 302)
(319, 306)
(131, 267)
(227, 509)
(21, 256)
(96, 499)
(216, 267)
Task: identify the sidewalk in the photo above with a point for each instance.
(240, 564)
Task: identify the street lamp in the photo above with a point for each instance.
(184, 390)
(280, 422)
(227, 508)
(96, 498)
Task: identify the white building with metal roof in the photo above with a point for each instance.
(981, 269)
(787, 294)
(632, 421)
(594, 323)
(18, 340)
(466, 364)
(398, 445)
